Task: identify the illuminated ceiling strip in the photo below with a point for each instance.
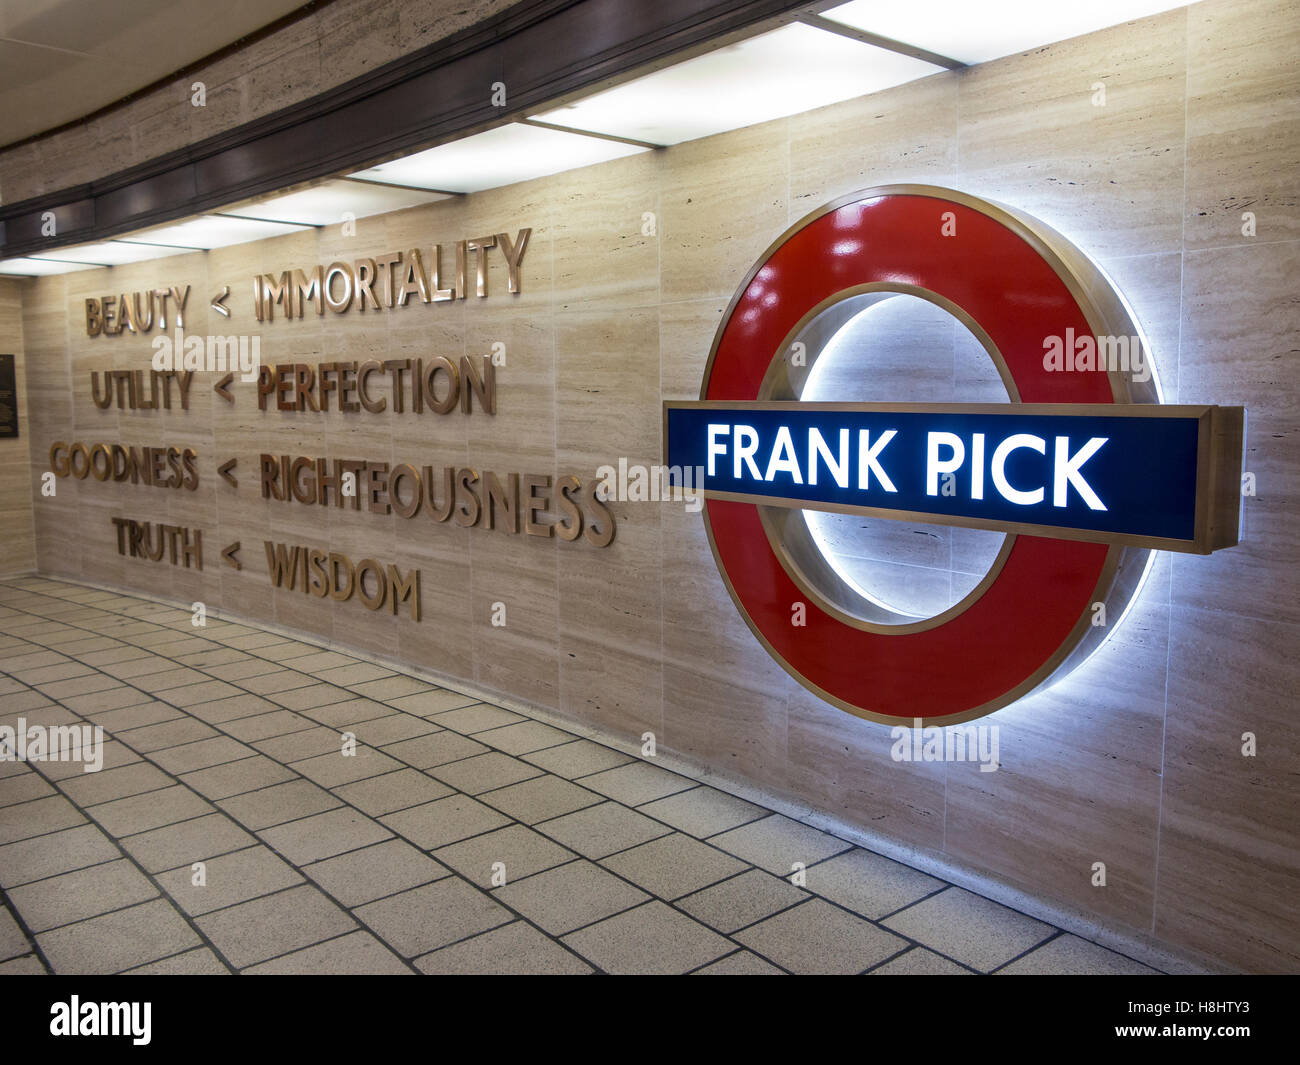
(500, 155)
(327, 203)
(784, 71)
(887, 43)
(209, 231)
(269, 221)
(589, 133)
(153, 244)
(977, 34)
(394, 184)
(150, 244)
(101, 255)
(68, 262)
(30, 266)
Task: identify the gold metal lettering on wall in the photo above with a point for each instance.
(416, 385)
(160, 467)
(136, 312)
(394, 279)
(130, 388)
(509, 502)
(179, 544)
(321, 573)
(527, 504)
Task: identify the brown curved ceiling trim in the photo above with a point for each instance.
(548, 47)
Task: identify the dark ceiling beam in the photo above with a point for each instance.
(540, 50)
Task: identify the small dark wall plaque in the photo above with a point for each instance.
(8, 397)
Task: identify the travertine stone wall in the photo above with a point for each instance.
(17, 542)
(1135, 760)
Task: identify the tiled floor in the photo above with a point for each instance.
(228, 830)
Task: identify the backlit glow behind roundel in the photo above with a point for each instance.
(1084, 469)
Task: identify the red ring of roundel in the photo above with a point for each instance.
(1046, 585)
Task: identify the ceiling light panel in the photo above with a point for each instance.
(975, 33)
(112, 253)
(39, 267)
(784, 72)
(333, 202)
(212, 231)
(501, 156)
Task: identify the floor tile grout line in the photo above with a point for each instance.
(107, 913)
(447, 871)
(659, 798)
(597, 802)
(166, 957)
(849, 846)
(319, 943)
(724, 880)
(85, 806)
(116, 842)
(373, 931)
(811, 896)
(600, 860)
(53, 831)
(310, 881)
(1056, 933)
(916, 902)
(595, 966)
(6, 905)
(185, 916)
(775, 913)
(722, 958)
(755, 820)
(279, 824)
(156, 828)
(108, 861)
(265, 845)
(651, 896)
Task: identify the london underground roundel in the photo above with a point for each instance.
(1085, 471)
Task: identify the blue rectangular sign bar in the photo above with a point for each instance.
(1137, 474)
